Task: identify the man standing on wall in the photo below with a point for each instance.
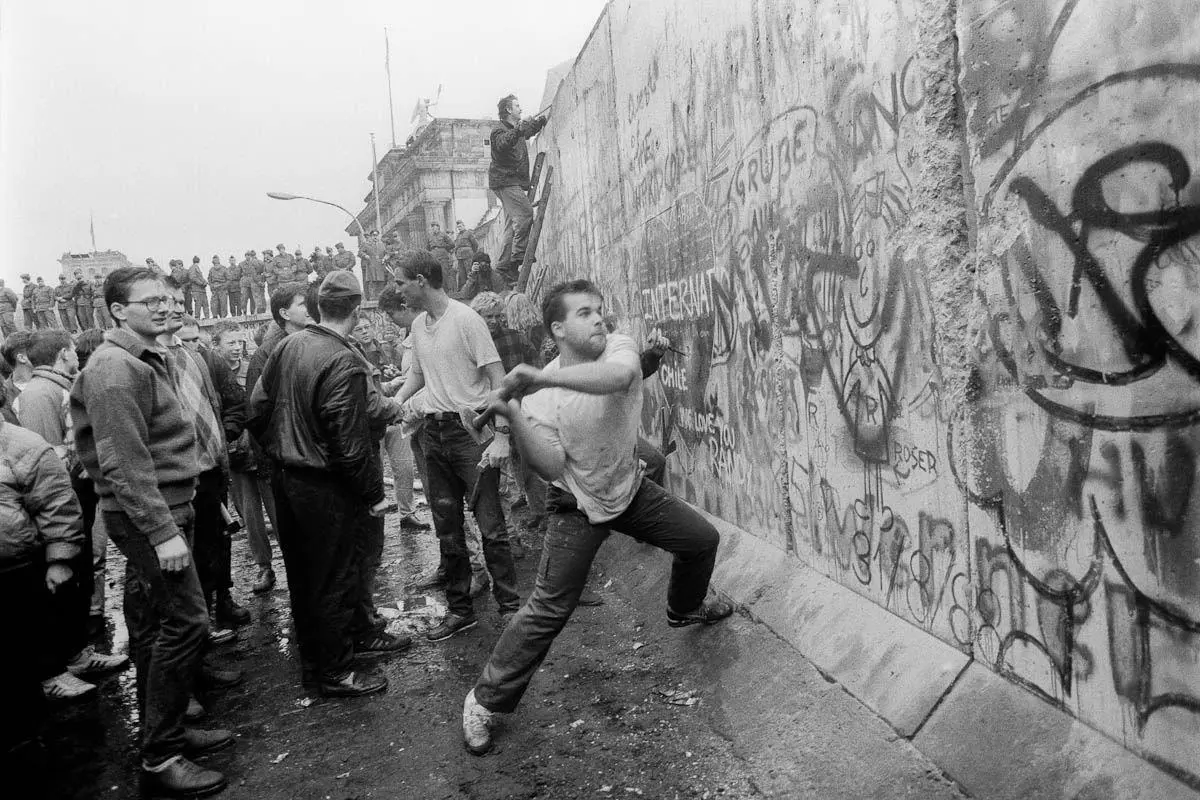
(103, 319)
(577, 425)
(66, 304)
(455, 360)
(197, 289)
(440, 245)
(248, 271)
(43, 304)
(464, 250)
(83, 295)
(27, 312)
(342, 259)
(508, 177)
(218, 282)
(371, 252)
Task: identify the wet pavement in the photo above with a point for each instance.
(624, 707)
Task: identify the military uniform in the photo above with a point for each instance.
(344, 259)
(8, 311)
(99, 309)
(233, 276)
(197, 290)
(440, 245)
(375, 277)
(27, 304)
(82, 293)
(258, 276)
(322, 264)
(218, 284)
(464, 250)
(300, 268)
(246, 272)
(43, 306)
(66, 305)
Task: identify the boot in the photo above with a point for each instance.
(229, 612)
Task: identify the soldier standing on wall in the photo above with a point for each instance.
(464, 251)
(440, 246)
(8, 310)
(82, 293)
(30, 321)
(197, 289)
(218, 283)
(233, 278)
(66, 304)
(43, 305)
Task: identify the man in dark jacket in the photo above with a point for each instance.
(310, 410)
(508, 177)
(138, 444)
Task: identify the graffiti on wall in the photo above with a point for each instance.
(1087, 424)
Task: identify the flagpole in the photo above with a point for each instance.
(375, 184)
(387, 65)
(92, 227)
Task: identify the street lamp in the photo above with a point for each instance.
(286, 196)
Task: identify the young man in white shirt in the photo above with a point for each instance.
(455, 361)
(577, 426)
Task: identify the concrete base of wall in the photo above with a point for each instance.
(955, 711)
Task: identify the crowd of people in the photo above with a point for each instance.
(165, 444)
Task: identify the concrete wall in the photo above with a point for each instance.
(862, 220)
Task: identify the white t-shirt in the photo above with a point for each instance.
(451, 354)
(598, 433)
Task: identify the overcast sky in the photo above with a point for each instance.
(171, 120)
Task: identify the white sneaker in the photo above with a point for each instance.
(476, 723)
(89, 662)
(65, 687)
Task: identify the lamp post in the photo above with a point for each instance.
(285, 196)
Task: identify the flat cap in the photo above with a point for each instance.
(340, 283)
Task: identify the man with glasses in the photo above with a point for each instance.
(138, 443)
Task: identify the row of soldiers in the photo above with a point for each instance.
(238, 288)
(79, 304)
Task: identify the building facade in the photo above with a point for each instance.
(439, 175)
(100, 262)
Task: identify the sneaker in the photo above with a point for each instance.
(451, 625)
(477, 722)
(197, 742)
(89, 662)
(219, 635)
(195, 712)
(265, 581)
(354, 684)
(383, 643)
(66, 687)
(413, 523)
(708, 613)
(229, 612)
(178, 777)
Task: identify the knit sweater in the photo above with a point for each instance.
(133, 436)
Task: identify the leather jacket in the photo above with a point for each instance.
(311, 411)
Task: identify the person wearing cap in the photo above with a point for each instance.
(27, 315)
(103, 319)
(440, 245)
(249, 271)
(233, 280)
(43, 305)
(82, 295)
(8, 310)
(66, 304)
(179, 274)
(322, 261)
(196, 290)
(343, 258)
(302, 268)
(279, 270)
(310, 412)
(218, 283)
(465, 247)
(153, 266)
(261, 276)
(371, 252)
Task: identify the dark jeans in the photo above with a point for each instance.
(656, 462)
(452, 477)
(62, 632)
(21, 698)
(519, 214)
(654, 517)
(368, 622)
(213, 548)
(168, 625)
(319, 536)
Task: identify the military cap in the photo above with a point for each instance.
(250, 252)
(24, 275)
(340, 283)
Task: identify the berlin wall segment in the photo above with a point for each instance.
(747, 176)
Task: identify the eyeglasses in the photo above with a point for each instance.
(154, 303)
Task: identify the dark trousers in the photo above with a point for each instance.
(519, 213)
(452, 477)
(168, 625)
(654, 517)
(235, 302)
(24, 706)
(86, 315)
(67, 315)
(318, 535)
(64, 614)
(655, 461)
(213, 550)
(367, 621)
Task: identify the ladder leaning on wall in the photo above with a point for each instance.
(540, 203)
